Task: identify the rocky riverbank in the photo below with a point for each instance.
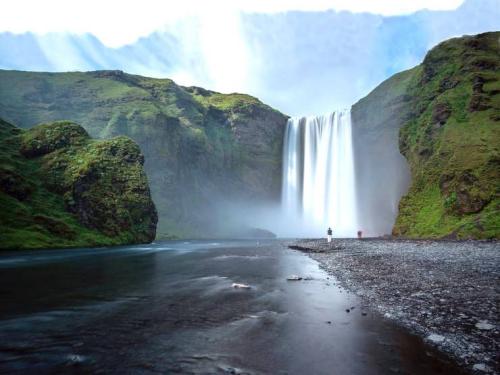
(448, 292)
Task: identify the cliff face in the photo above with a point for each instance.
(382, 173)
(200, 147)
(60, 188)
(452, 142)
(444, 115)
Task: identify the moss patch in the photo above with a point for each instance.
(60, 188)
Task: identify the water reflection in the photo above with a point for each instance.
(170, 307)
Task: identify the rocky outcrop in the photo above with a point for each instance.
(451, 142)
(60, 188)
(446, 112)
(204, 151)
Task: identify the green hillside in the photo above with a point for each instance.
(452, 142)
(200, 147)
(443, 117)
(59, 188)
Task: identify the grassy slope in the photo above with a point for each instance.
(40, 170)
(195, 141)
(452, 142)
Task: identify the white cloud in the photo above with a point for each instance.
(119, 22)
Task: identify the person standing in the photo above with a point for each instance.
(329, 233)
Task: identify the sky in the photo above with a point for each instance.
(119, 22)
(302, 57)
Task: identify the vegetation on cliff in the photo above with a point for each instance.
(451, 140)
(60, 188)
(443, 116)
(200, 147)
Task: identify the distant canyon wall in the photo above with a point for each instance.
(425, 144)
(206, 153)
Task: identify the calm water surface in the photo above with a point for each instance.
(170, 308)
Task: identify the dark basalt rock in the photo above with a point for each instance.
(14, 184)
(448, 83)
(479, 102)
(469, 199)
(441, 113)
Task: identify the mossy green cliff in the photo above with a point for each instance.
(452, 142)
(201, 147)
(204, 148)
(447, 113)
(60, 188)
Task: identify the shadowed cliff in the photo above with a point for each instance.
(201, 148)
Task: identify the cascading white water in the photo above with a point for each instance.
(318, 175)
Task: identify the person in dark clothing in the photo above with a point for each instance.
(329, 232)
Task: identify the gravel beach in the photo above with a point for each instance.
(444, 291)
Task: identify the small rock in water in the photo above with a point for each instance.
(76, 358)
(484, 325)
(347, 310)
(329, 322)
(294, 278)
(435, 338)
(242, 286)
(363, 313)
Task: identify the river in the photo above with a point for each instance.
(170, 307)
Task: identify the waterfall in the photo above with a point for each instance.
(318, 175)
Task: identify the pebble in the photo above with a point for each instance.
(76, 358)
(241, 286)
(484, 325)
(435, 338)
(481, 367)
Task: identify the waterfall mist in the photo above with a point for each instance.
(318, 176)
